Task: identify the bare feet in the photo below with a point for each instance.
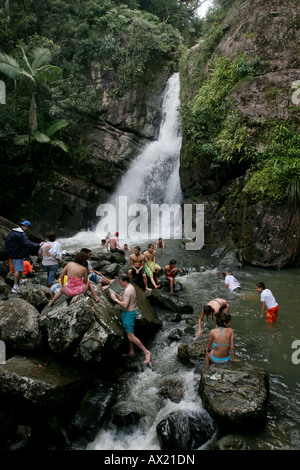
(97, 299)
(148, 288)
(147, 357)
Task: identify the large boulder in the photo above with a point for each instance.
(163, 298)
(19, 325)
(184, 430)
(81, 327)
(235, 394)
(38, 381)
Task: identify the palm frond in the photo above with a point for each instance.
(60, 144)
(56, 127)
(27, 62)
(40, 56)
(11, 68)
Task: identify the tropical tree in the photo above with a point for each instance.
(35, 69)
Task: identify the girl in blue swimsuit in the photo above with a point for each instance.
(221, 341)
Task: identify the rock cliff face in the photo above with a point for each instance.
(265, 30)
(68, 204)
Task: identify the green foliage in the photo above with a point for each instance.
(277, 171)
(211, 128)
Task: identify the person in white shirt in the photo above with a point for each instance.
(231, 282)
(268, 301)
(51, 255)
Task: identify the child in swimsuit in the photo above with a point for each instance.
(221, 341)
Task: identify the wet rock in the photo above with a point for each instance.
(172, 389)
(235, 394)
(192, 353)
(82, 327)
(19, 325)
(231, 442)
(92, 409)
(42, 382)
(36, 294)
(175, 335)
(165, 299)
(184, 430)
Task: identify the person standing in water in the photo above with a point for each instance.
(268, 302)
(212, 308)
(127, 303)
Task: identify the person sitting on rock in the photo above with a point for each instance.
(213, 307)
(171, 272)
(96, 276)
(77, 282)
(221, 341)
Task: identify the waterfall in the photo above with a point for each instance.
(153, 177)
(151, 185)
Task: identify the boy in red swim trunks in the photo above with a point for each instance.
(268, 301)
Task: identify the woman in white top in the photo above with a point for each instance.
(51, 255)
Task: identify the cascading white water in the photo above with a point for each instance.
(153, 177)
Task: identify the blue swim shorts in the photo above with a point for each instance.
(18, 264)
(93, 277)
(128, 320)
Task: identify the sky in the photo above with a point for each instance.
(203, 9)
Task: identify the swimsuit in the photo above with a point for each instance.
(75, 286)
(272, 314)
(128, 320)
(148, 268)
(214, 346)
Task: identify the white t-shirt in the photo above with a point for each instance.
(232, 282)
(267, 297)
(51, 253)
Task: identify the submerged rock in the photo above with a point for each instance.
(235, 394)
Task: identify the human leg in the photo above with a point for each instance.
(133, 339)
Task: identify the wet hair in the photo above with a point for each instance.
(81, 258)
(51, 236)
(85, 250)
(208, 310)
(124, 278)
(150, 245)
(137, 248)
(261, 285)
(172, 261)
(223, 319)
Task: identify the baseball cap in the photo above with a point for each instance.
(26, 222)
(117, 233)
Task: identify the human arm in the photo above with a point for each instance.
(62, 275)
(210, 341)
(199, 333)
(263, 308)
(232, 348)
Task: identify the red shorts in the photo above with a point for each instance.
(272, 314)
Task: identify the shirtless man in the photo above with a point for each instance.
(151, 266)
(128, 305)
(213, 307)
(137, 261)
(160, 243)
(77, 282)
(113, 243)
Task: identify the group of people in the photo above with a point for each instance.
(221, 348)
(80, 277)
